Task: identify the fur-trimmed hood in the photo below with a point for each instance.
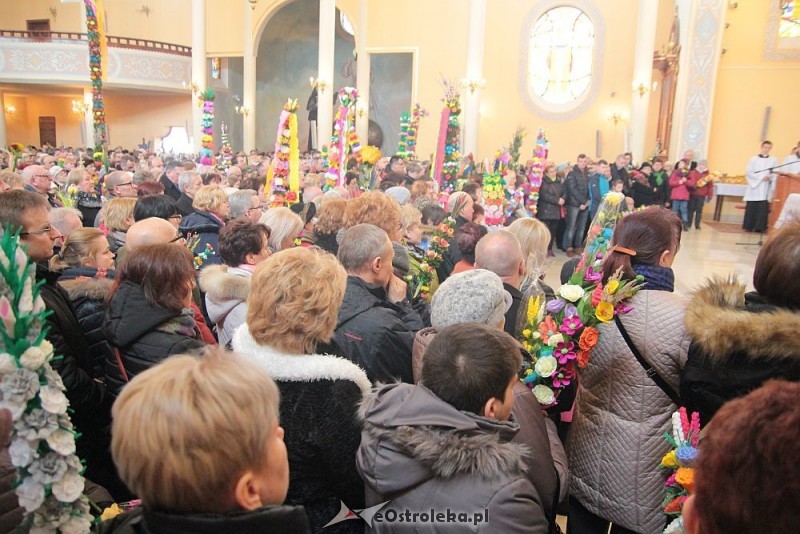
(298, 367)
(87, 288)
(225, 288)
(722, 321)
(411, 436)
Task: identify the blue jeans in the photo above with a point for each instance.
(681, 207)
(575, 226)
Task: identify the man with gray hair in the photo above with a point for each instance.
(120, 184)
(189, 182)
(376, 324)
(38, 179)
(501, 253)
(245, 203)
(65, 220)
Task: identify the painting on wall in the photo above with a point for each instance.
(390, 92)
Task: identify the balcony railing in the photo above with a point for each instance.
(43, 36)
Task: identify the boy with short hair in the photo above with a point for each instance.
(441, 451)
(198, 440)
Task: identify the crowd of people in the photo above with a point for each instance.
(238, 361)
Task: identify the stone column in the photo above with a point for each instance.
(472, 96)
(642, 76)
(198, 67)
(362, 75)
(702, 23)
(249, 81)
(327, 41)
(3, 135)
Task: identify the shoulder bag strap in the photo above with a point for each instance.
(119, 363)
(649, 369)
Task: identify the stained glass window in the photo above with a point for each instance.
(790, 19)
(560, 56)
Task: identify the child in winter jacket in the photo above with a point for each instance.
(701, 193)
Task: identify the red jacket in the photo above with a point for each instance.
(680, 191)
(706, 190)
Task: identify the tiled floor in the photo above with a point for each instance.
(703, 253)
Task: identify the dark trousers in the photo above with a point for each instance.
(696, 210)
(756, 216)
(552, 225)
(582, 521)
(575, 226)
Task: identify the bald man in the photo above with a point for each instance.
(38, 179)
(501, 253)
(155, 231)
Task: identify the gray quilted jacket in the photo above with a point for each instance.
(616, 442)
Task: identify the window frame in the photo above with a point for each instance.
(575, 108)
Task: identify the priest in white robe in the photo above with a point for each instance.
(760, 187)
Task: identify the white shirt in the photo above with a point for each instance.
(757, 188)
(794, 168)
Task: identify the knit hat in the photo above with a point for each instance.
(54, 170)
(400, 194)
(475, 296)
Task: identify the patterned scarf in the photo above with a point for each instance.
(658, 278)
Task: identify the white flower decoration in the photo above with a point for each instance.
(23, 452)
(555, 340)
(36, 424)
(571, 292)
(62, 441)
(49, 468)
(53, 400)
(25, 304)
(7, 364)
(19, 386)
(30, 494)
(53, 378)
(76, 525)
(544, 394)
(33, 358)
(69, 488)
(546, 366)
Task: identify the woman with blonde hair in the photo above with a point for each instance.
(292, 311)
(411, 228)
(534, 238)
(211, 211)
(284, 225)
(330, 219)
(88, 200)
(86, 265)
(117, 218)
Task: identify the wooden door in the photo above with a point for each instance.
(47, 131)
(40, 29)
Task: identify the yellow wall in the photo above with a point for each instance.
(168, 21)
(440, 35)
(129, 117)
(746, 85)
(224, 27)
(23, 125)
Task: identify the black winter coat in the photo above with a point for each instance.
(272, 519)
(206, 227)
(375, 334)
(663, 190)
(739, 341)
(576, 187)
(643, 192)
(144, 334)
(548, 208)
(452, 255)
(184, 204)
(621, 174)
(170, 189)
(88, 290)
(89, 205)
(87, 397)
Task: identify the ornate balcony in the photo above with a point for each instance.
(48, 57)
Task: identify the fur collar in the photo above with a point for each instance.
(444, 440)
(721, 326)
(298, 368)
(221, 285)
(88, 288)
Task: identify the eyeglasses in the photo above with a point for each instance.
(176, 238)
(46, 230)
(42, 176)
(176, 216)
(126, 183)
